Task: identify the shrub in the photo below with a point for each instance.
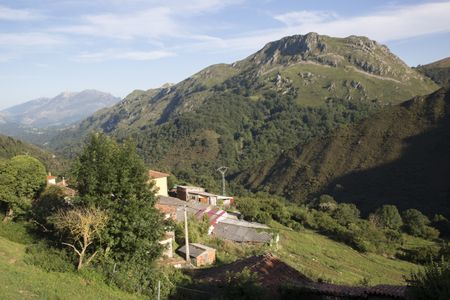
(420, 255)
(17, 232)
(431, 283)
(416, 224)
(387, 217)
(243, 285)
(48, 258)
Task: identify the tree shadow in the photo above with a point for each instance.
(420, 178)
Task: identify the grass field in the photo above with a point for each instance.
(320, 257)
(22, 281)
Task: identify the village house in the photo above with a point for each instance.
(198, 194)
(51, 180)
(200, 255)
(160, 182)
(68, 192)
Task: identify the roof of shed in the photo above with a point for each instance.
(195, 250)
(238, 233)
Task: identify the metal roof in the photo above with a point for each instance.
(195, 250)
(238, 233)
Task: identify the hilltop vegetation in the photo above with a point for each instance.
(398, 156)
(439, 71)
(249, 111)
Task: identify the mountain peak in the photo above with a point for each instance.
(295, 45)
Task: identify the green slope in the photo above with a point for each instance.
(244, 113)
(10, 147)
(22, 281)
(320, 257)
(439, 71)
(400, 156)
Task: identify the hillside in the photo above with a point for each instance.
(23, 281)
(249, 111)
(439, 71)
(10, 147)
(400, 155)
(320, 257)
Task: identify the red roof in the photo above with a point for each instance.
(51, 177)
(155, 174)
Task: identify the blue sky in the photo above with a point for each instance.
(116, 46)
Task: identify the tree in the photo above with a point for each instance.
(82, 226)
(21, 178)
(326, 203)
(346, 213)
(387, 217)
(50, 201)
(416, 224)
(113, 177)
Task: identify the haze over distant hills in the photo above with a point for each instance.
(61, 110)
(38, 120)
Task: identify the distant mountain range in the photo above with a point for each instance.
(64, 109)
(37, 120)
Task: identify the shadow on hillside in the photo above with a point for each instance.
(419, 179)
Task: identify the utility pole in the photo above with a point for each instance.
(159, 289)
(186, 236)
(222, 171)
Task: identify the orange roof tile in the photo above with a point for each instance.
(155, 174)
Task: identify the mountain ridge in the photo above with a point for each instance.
(373, 162)
(63, 109)
(246, 112)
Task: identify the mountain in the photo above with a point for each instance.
(400, 155)
(439, 71)
(64, 109)
(10, 147)
(247, 112)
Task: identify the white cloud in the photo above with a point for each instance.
(161, 19)
(10, 14)
(29, 39)
(393, 23)
(295, 18)
(116, 54)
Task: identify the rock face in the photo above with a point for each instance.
(62, 110)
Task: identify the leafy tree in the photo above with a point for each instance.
(113, 177)
(326, 203)
(433, 282)
(388, 217)
(416, 224)
(346, 213)
(21, 179)
(50, 201)
(83, 226)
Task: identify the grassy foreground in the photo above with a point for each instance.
(22, 281)
(320, 257)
